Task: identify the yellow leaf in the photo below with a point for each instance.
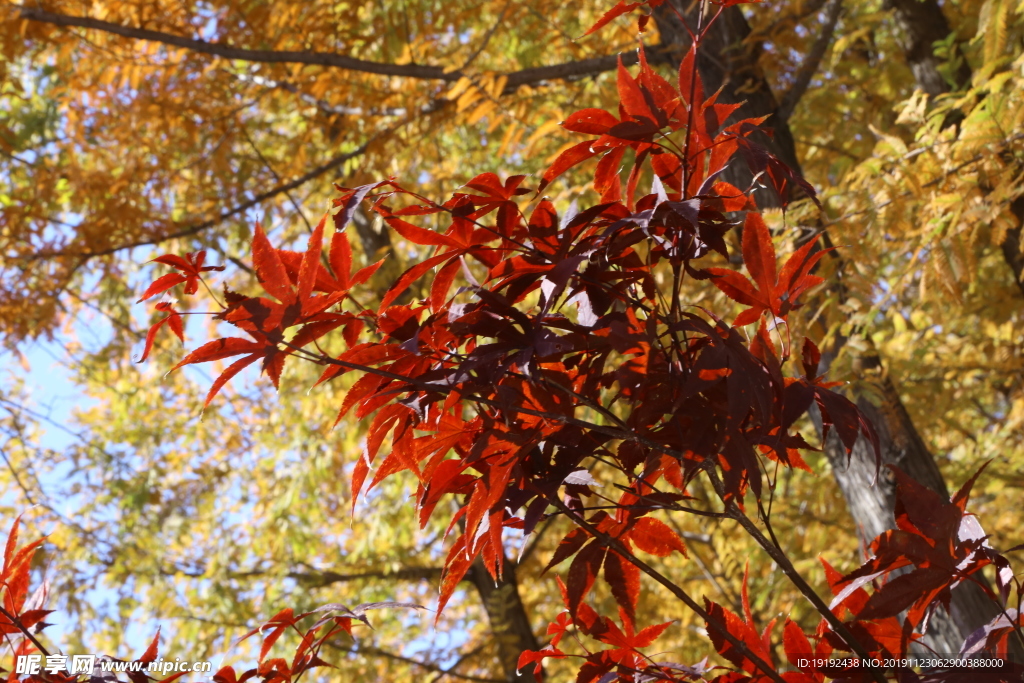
(467, 99)
(458, 88)
(543, 131)
(482, 110)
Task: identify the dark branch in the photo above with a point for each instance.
(377, 652)
(532, 76)
(566, 70)
(326, 578)
(320, 578)
(811, 61)
(231, 52)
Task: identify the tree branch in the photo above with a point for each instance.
(320, 578)
(487, 36)
(811, 61)
(532, 76)
(327, 578)
(613, 543)
(377, 652)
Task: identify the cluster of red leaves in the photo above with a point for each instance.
(190, 273)
(560, 349)
(936, 546)
(623, 653)
(693, 390)
(14, 582)
(944, 544)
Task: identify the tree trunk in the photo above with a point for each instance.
(1012, 246)
(871, 502)
(510, 626)
(922, 24)
(730, 63)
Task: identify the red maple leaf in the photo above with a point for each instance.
(767, 289)
(191, 267)
(172, 320)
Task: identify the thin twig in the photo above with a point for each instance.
(683, 596)
(17, 624)
(487, 37)
(376, 652)
(196, 228)
(287, 193)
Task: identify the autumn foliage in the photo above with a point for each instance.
(552, 369)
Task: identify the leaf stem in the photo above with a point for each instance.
(793, 575)
(673, 588)
(17, 624)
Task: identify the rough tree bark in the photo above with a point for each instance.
(731, 62)
(510, 625)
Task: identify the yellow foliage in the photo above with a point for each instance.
(128, 147)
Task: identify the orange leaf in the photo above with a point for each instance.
(655, 537)
(270, 269)
(218, 349)
(619, 9)
(311, 261)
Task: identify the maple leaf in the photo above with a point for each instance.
(191, 267)
(655, 537)
(764, 163)
(742, 630)
(17, 565)
(274, 628)
(260, 348)
(767, 290)
(929, 536)
(537, 657)
(628, 640)
(620, 8)
(172, 320)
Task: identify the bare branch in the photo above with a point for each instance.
(377, 652)
(327, 578)
(811, 61)
(317, 578)
(270, 167)
(566, 70)
(458, 662)
(531, 76)
(231, 52)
